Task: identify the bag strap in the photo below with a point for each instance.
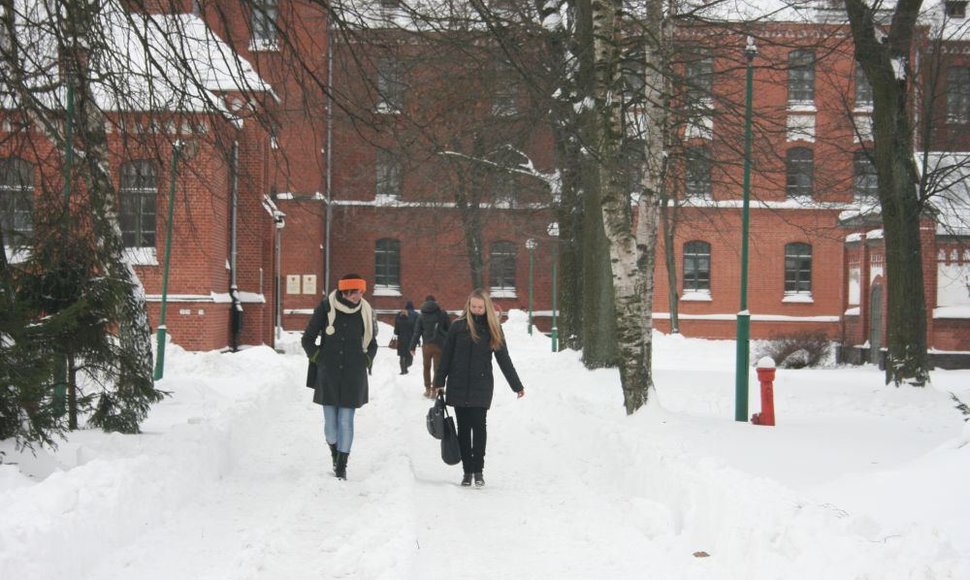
(444, 407)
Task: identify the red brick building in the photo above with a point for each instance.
(356, 200)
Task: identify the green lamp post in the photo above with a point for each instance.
(553, 231)
(162, 329)
(744, 316)
(530, 245)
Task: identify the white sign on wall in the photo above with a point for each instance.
(292, 283)
(309, 283)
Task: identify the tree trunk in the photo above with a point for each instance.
(599, 309)
(668, 216)
(123, 409)
(886, 62)
(569, 215)
(628, 260)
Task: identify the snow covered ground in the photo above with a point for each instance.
(231, 479)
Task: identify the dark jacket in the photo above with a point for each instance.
(341, 374)
(467, 366)
(404, 329)
(432, 325)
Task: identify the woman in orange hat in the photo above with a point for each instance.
(340, 340)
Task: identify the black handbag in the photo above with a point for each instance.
(450, 450)
(435, 419)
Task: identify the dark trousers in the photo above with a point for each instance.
(431, 354)
(472, 437)
(405, 360)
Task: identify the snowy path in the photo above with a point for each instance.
(280, 513)
(231, 481)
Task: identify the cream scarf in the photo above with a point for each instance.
(366, 312)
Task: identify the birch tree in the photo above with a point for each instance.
(631, 253)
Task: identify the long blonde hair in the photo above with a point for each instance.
(494, 328)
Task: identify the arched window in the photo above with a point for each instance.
(697, 266)
(16, 200)
(800, 170)
(501, 269)
(387, 265)
(138, 194)
(798, 268)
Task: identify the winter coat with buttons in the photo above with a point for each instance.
(466, 367)
(341, 377)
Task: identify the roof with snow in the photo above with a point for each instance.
(138, 62)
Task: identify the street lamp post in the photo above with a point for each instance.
(530, 245)
(553, 231)
(162, 329)
(744, 316)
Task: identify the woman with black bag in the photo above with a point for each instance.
(466, 368)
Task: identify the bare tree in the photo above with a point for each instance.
(886, 57)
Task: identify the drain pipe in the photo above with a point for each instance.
(329, 199)
(236, 311)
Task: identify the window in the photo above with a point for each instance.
(390, 86)
(698, 172)
(138, 196)
(863, 90)
(503, 189)
(865, 180)
(264, 23)
(504, 92)
(700, 79)
(958, 95)
(387, 264)
(800, 168)
(801, 76)
(697, 267)
(956, 8)
(502, 269)
(16, 200)
(389, 174)
(632, 69)
(798, 268)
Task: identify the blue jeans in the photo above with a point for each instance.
(338, 426)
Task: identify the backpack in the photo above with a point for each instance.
(429, 331)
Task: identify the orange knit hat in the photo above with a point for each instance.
(352, 282)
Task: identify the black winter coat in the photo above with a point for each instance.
(341, 377)
(467, 367)
(404, 329)
(432, 325)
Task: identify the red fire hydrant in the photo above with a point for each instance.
(766, 376)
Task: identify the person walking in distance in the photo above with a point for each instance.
(341, 341)
(466, 369)
(430, 331)
(403, 332)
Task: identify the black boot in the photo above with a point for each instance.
(333, 454)
(466, 480)
(404, 366)
(479, 480)
(341, 468)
